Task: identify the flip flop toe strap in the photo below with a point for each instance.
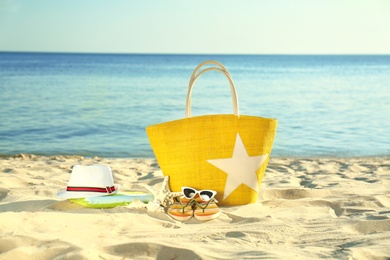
(206, 205)
(186, 205)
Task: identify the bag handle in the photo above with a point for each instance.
(197, 73)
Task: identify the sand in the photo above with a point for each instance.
(308, 208)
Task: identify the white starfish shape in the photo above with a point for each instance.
(163, 197)
(241, 168)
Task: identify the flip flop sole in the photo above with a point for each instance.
(176, 212)
(211, 212)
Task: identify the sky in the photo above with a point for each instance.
(196, 27)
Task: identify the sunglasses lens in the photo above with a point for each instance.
(206, 195)
(189, 193)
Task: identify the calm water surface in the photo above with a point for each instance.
(100, 104)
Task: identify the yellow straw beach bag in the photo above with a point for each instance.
(227, 153)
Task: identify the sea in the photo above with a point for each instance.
(100, 104)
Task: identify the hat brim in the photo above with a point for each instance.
(78, 195)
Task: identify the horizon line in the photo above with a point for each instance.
(195, 54)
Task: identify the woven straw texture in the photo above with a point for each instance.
(226, 153)
(183, 148)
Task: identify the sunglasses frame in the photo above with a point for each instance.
(198, 192)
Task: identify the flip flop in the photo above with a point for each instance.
(182, 209)
(206, 210)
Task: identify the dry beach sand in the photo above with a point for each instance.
(308, 209)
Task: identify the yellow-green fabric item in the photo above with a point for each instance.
(112, 201)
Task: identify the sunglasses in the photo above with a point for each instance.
(205, 195)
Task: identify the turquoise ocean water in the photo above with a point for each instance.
(100, 104)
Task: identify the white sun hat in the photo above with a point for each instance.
(89, 181)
